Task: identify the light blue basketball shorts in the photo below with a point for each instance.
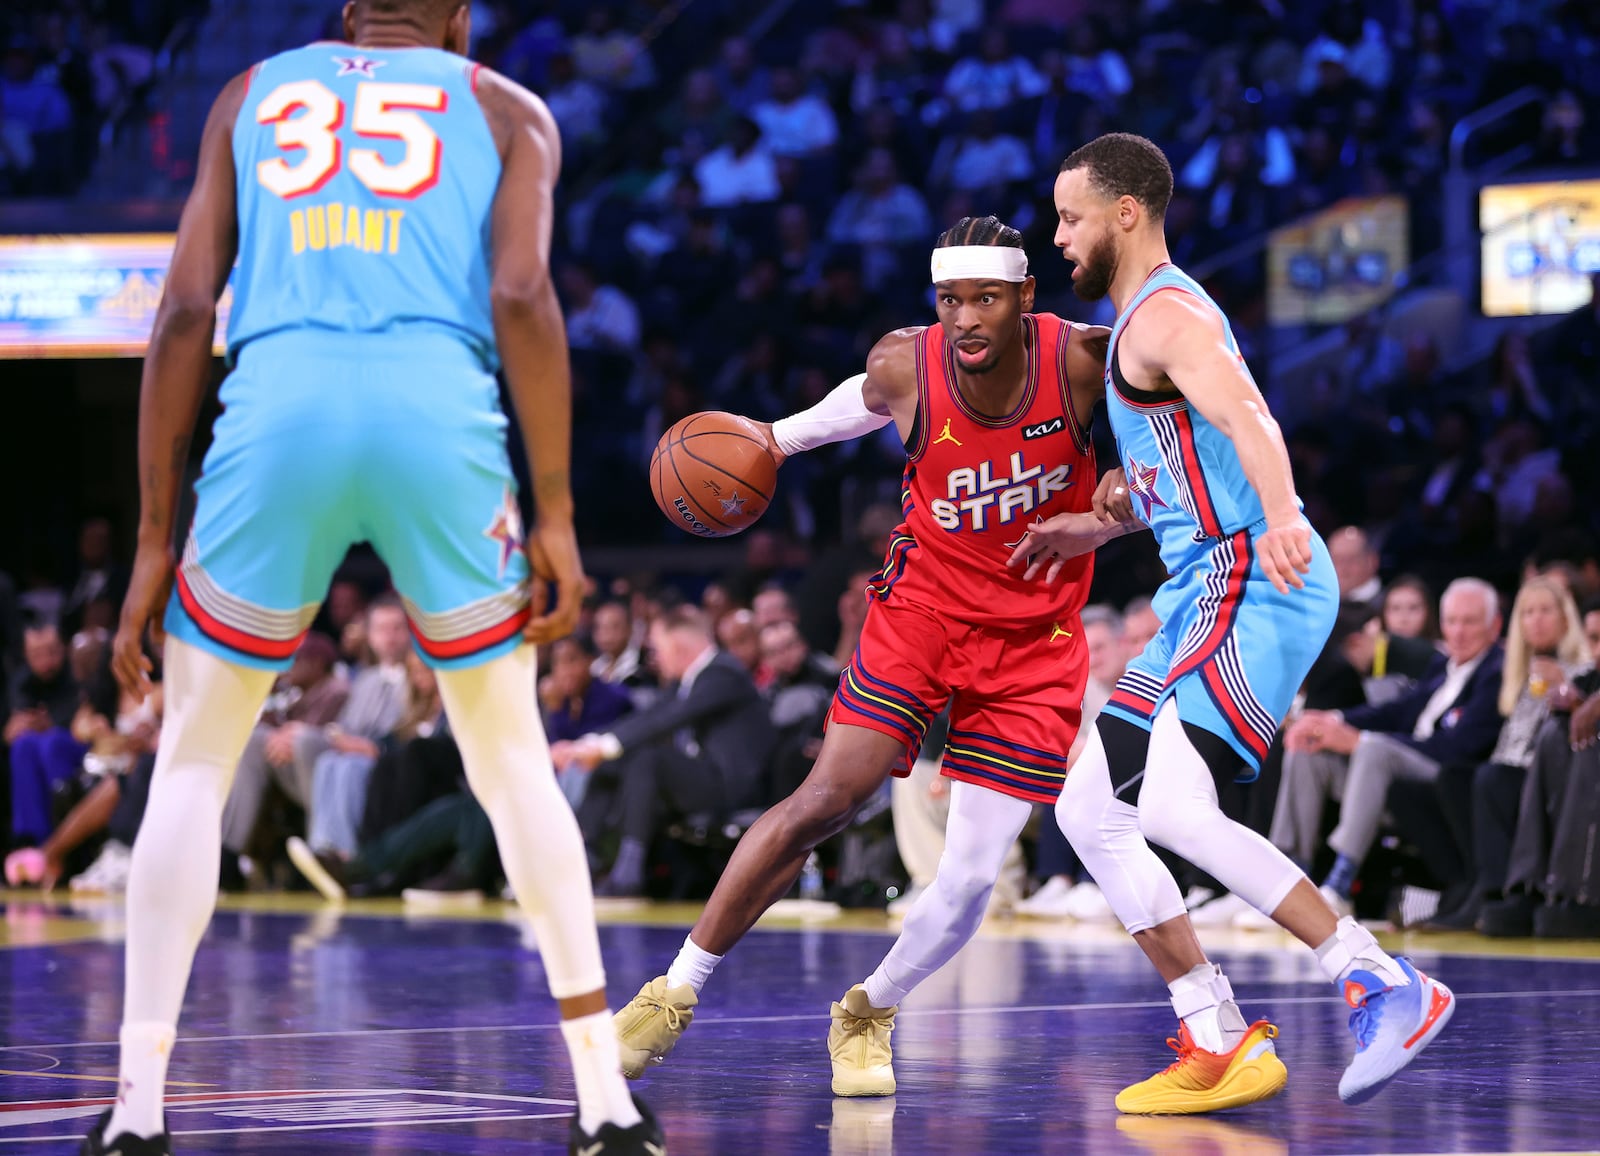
(329, 439)
(1231, 648)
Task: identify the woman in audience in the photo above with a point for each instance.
(1545, 650)
(1408, 609)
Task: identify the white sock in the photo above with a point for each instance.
(883, 991)
(603, 1095)
(1350, 948)
(142, 1077)
(693, 966)
(1203, 999)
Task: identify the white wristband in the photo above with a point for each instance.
(840, 417)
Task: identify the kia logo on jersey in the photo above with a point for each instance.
(1043, 429)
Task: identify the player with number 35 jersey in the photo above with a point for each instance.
(390, 208)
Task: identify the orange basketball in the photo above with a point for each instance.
(712, 474)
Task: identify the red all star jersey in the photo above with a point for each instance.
(973, 485)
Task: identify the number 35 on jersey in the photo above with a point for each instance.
(307, 118)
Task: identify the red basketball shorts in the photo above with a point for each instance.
(1016, 694)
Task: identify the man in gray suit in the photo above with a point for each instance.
(703, 746)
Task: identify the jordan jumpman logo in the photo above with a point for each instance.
(1056, 632)
(946, 435)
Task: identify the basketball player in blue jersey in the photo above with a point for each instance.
(389, 204)
(1249, 604)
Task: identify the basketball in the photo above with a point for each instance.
(712, 474)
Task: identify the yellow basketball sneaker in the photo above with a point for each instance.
(858, 1043)
(1201, 1081)
(649, 1027)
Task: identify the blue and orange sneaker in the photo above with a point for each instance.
(1201, 1081)
(1391, 1025)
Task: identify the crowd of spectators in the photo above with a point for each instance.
(741, 218)
(1442, 768)
(745, 217)
(70, 72)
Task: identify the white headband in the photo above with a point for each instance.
(980, 263)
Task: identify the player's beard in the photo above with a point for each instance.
(1097, 270)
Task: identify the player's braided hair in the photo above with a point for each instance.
(1122, 164)
(980, 231)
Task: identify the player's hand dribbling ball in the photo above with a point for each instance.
(713, 474)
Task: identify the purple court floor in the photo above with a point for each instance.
(381, 1033)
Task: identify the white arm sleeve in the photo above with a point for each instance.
(840, 417)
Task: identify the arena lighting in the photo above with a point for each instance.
(85, 295)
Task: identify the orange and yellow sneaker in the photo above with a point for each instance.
(1202, 1081)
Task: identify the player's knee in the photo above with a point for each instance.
(819, 810)
(1166, 822)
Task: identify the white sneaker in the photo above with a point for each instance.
(1087, 905)
(1252, 920)
(1341, 906)
(1197, 897)
(1220, 912)
(1050, 901)
(108, 874)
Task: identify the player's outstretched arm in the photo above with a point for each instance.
(532, 338)
(177, 372)
(857, 406)
(1178, 337)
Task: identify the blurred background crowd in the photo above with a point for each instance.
(749, 196)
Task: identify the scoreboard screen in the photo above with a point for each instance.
(85, 295)
(1540, 247)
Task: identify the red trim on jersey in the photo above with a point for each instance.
(1194, 472)
(1129, 701)
(250, 75)
(219, 631)
(1227, 610)
(473, 643)
(472, 77)
(1218, 688)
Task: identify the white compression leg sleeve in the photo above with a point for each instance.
(211, 707)
(982, 826)
(1104, 831)
(495, 718)
(1178, 810)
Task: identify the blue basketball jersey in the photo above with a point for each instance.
(365, 181)
(1183, 472)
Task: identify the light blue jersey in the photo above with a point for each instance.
(1183, 472)
(362, 406)
(365, 181)
(1231, 650)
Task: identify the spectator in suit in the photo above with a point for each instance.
(1551, 870)
(575, 702)
(1450, 718)
(799, 687)
(617, 656)
(1356, 564)
(704, 746)
(1545, 650)
(43, 752)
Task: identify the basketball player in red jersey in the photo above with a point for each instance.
(992, 405)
